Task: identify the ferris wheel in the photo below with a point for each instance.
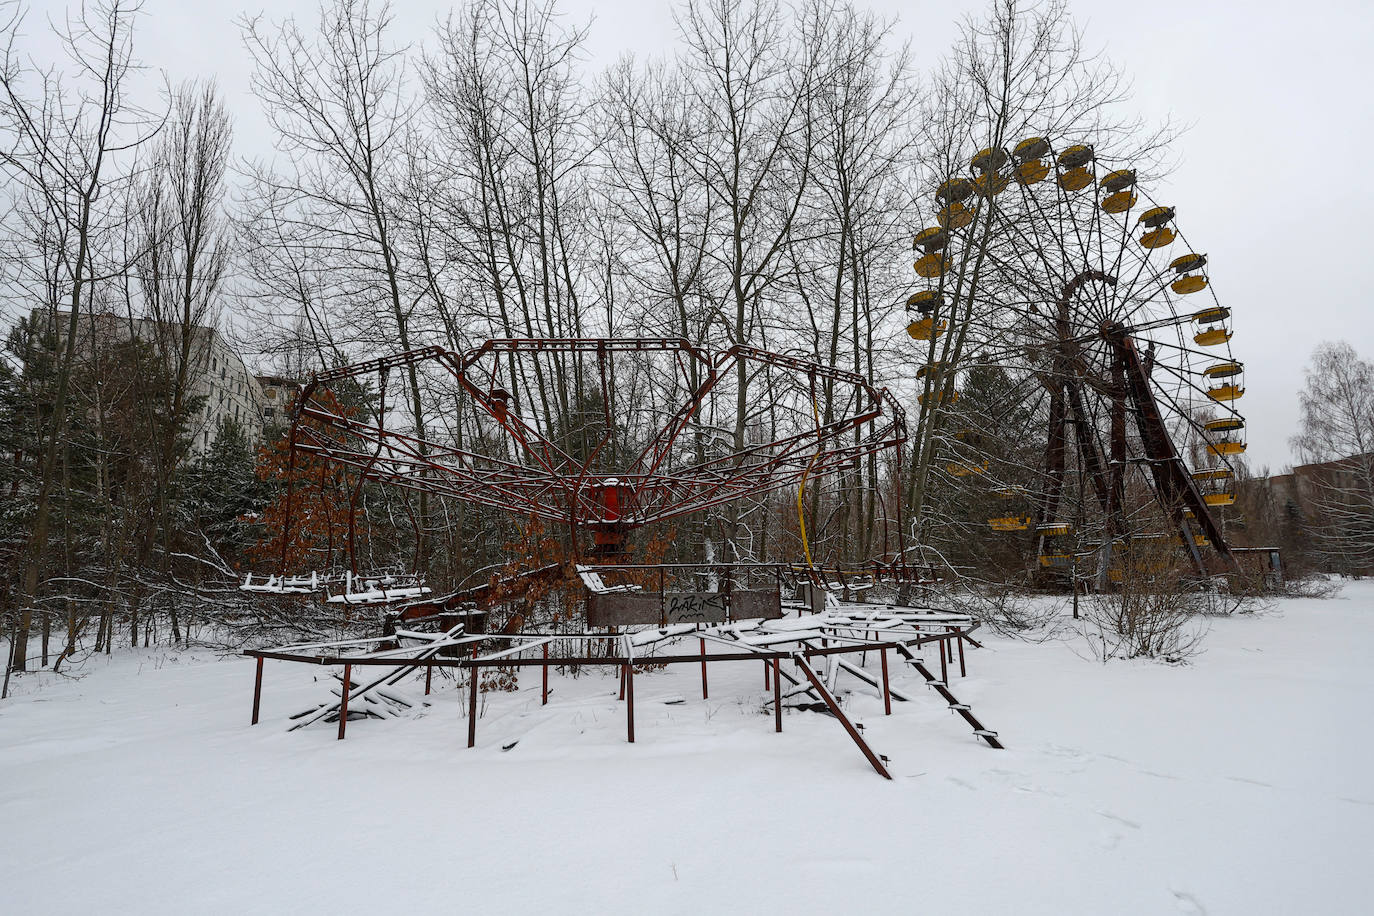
(1055, 270)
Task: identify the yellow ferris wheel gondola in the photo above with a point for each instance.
(1229, 424)
(954, 216)
(1010, 523)
(1217, 484)
(926, 326)
(1118, 186)
(954, 190)
(931, 239)
(1191, 279)
(1212, 328)
(988, 163)
(990, 184)
(1157, 231)
(1226, 447)
(1074, 163)
(1029, 156)
(1228, 378)
(989, 160)
(966, 468)
(1231, 432)
(932, 265)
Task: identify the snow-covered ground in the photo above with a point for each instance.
(1240, 783)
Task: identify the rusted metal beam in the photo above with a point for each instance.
(834, 706)
(472, 707)
(943, 690)
(257, 691)
(703, 668)
(887, 687)
(777, 695)
(630, 701)
(343, 699)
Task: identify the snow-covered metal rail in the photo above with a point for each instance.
(800, 641)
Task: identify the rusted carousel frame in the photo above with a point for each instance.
(854, 635)
(555, 486)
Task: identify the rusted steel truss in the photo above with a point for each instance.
(530, 469)
(1175, 487)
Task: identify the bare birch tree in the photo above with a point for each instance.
(1336, 434)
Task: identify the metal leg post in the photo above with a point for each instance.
(343, 700)
(887, 688)
(472, 708)
(703, 668)
(777, 695)
(257, 691)
(630, 701)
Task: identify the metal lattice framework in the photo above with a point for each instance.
(1056, 269)
(603, 435)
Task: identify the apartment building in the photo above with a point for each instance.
(231, 391)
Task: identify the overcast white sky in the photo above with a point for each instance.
(1270, 182)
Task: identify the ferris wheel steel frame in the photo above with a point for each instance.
(1058, 258)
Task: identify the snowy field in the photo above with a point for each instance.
(1240, 783)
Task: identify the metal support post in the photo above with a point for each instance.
(257, 691)
(343, 700)
(777, 694)
(887, 688)
(703, 668)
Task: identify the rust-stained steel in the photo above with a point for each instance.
(839, 640)
(839, 714)
(257, 687)
(343, 700)
(600, 478)
(1177, 490)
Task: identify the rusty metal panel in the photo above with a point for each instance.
(747, 605)
(620, 609)
(695, 607)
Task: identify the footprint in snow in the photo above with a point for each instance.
(1119, 819)
(1253, 782)
(1187, 903)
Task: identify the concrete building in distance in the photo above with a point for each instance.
(218, 374)
(278, 393)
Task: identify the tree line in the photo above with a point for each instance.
(757, 185)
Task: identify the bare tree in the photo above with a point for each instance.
(183, 243)
(504, 97)
(846, 247)
(751, 72)
(338, 102)
(70, 140)
(1336, 437)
